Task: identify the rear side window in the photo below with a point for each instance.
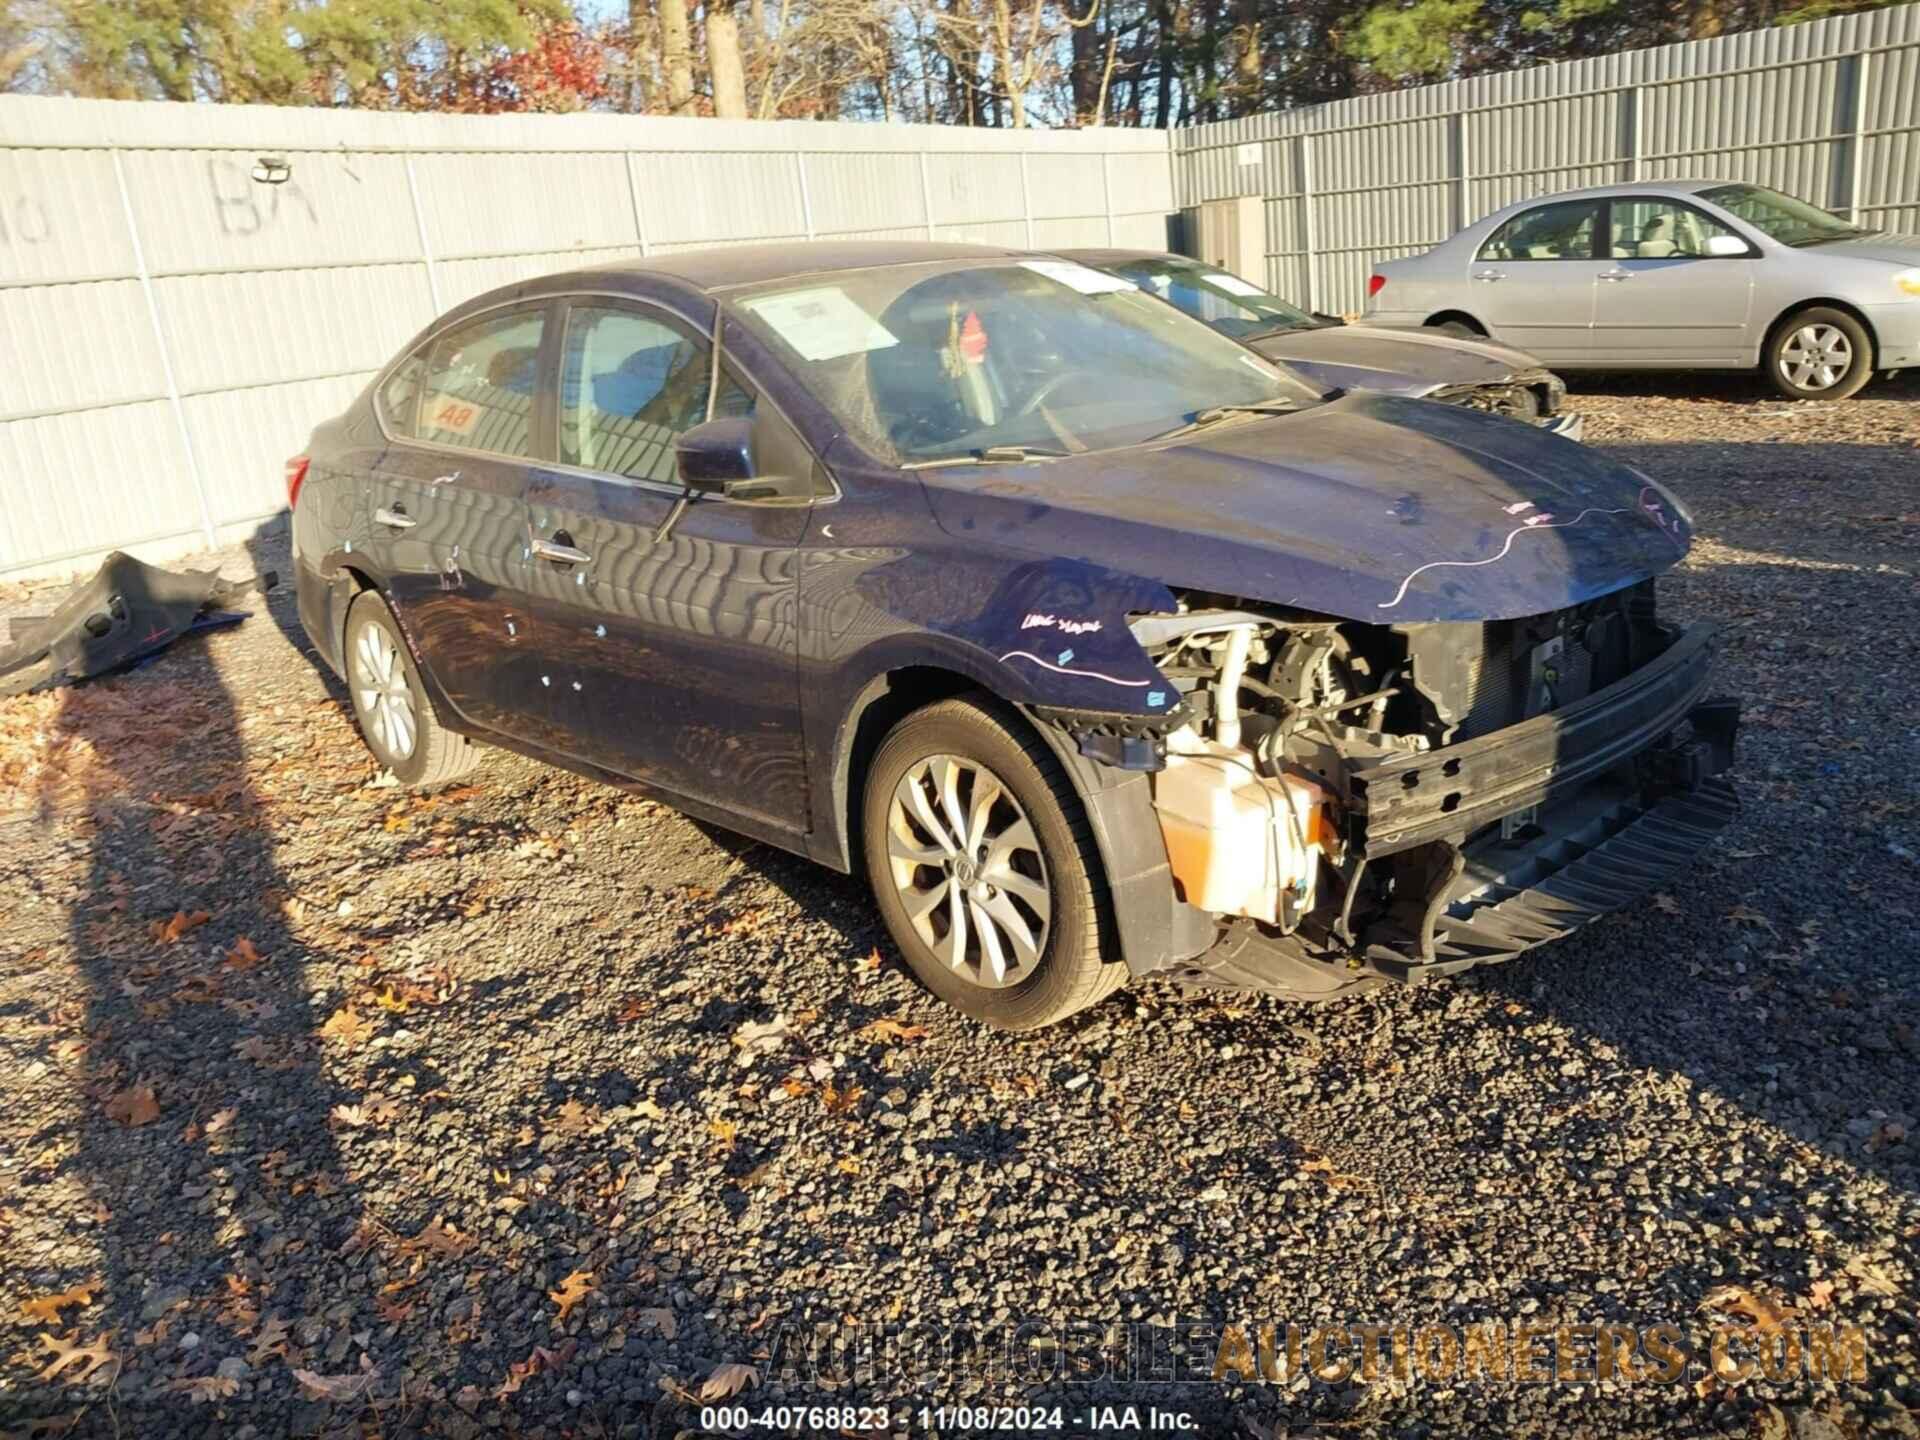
(1552, 232)
(475, 386)
(630, 382)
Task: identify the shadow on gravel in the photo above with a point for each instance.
(205, 1143)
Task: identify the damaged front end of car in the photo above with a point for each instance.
(1353, 803)
(1537, 397)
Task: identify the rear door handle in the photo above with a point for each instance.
(1616, 274)
(559, 553)
(1489, 275)
(396, 516)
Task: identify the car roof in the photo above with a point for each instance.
(1624, 187)
(1106, 255)
(726, 266)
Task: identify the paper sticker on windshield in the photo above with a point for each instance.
(1086, 281)
(823, 323)
(1233, 284)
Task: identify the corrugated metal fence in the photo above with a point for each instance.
(171, 329)
(1829, 111)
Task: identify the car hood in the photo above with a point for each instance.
(1894, 249)
(1370, 508)
(1396, 362)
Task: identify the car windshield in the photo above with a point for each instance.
(1226, 302)
(1790, 221)
(1004, 359)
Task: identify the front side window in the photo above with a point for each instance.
(629, 383)
(1661, 230)
(1219, 298)
(1790, 221)
(1552, 232)
(954, 359)
(478, 384)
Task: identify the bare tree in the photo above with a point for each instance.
(676, 54)
(723, 61)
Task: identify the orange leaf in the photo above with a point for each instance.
(243, 956)
(575, 1288)
(48, 1307)
(346, 1026)
(885, 1029)
(135, 1105)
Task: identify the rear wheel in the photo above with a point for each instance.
(984, 867)
(389, 702)
(1458, 329)
(1819, 354)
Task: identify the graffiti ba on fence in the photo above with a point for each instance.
(245, 207)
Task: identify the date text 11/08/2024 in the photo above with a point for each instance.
(941, 1419)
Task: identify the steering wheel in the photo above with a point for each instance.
(1046, 390)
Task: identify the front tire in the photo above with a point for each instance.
(984, 868)
(389, 702)
(1819, 354)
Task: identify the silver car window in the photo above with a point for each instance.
(1655, 228)
(1563, 231)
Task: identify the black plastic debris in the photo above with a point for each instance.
(126, 612)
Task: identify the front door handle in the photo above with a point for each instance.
(1489, 275)
(1616, 275)
(396, 516)
(559, 552)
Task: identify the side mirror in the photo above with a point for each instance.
(1727, 246)
(715, 455)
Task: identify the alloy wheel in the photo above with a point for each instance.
(967, 863)
(386, 699)
(1816, 357)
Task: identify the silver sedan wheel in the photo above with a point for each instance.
(968, 867)
(1816, 357)
(386, 700)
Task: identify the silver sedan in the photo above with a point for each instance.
(1677, 274)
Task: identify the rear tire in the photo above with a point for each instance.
(1819, 354)
(1458, 329)
(389, 702)
(1014, 875)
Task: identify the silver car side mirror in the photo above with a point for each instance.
(1727, 246)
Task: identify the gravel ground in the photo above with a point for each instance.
(535, 1106)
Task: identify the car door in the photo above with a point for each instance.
(679, 659)
(449, 517)
(1665, 299)
(1534, 277)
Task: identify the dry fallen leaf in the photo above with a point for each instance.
(202, 1389)
(886, 1029)
(1820, 1295)
(270, 1342)
(70, 1352)
(219, 1120)
(575, 1288)
(439, 1238)
(243, 956)
(346, 1026)
(167, 932)
(1747, 915)
(339, 1387)
(572, 1118)
(48, 1307)
(661, 1320)
(1767, 1314)
(840, 1102)
(723, 1131)
(1666, 904)
(1871, 1276)
(727, 1380)
(135, 1105)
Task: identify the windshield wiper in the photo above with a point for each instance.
(1214, 413)
(990, 455)
(1833, 239)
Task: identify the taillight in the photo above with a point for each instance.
(1375, 284)
(296, 477)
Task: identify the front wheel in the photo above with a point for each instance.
(1819, 354)
(984, 868)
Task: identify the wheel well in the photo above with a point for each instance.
(883, 704)
(1454, 317)
(1842, 306)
